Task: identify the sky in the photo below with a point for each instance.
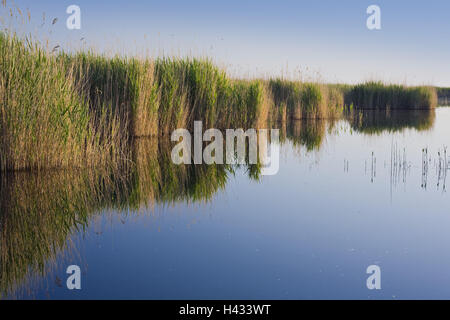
(311, 40)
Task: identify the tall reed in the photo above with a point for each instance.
(190, 89)
(43, 121)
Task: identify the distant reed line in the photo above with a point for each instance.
(84, 109)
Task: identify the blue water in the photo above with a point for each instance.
(309, 232)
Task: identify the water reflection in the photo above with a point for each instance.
(379, 121)
(308, 133)
(40, 211)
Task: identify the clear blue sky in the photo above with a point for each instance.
(264, 38)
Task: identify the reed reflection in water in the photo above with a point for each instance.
(41, 211)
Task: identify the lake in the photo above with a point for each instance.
(350, 193)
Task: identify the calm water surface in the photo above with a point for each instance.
(348, 195)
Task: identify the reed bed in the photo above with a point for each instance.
(294, 100)
(72, 110)
(192, 90)
(376, 95)
(69, 110)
